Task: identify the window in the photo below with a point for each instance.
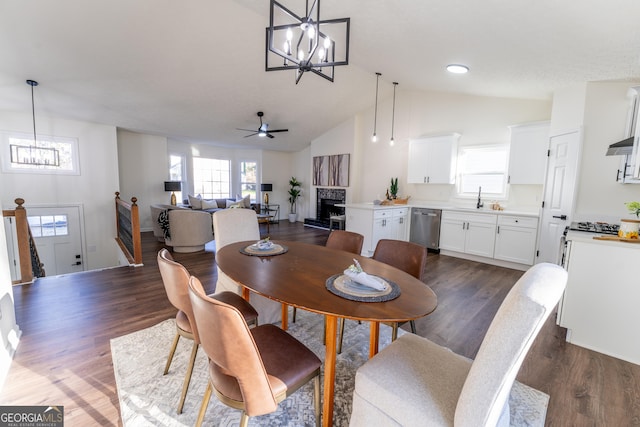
(175, 171)
(211, 178)
(49, 155)
(48, 225)
(483, 166)
(248, 179)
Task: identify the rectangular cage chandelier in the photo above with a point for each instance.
(306, 43)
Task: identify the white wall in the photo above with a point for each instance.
(277, 170)
(144, 166)
(94, 188)
(479, 120)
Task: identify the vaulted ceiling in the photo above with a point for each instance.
(194, 69)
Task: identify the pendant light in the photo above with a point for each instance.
(393, 114)
(374, 138)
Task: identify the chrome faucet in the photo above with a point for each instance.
(479, 204)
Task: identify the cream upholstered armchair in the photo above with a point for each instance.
(237, 225)
(189, 230)
(414, 379)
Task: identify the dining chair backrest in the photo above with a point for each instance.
(407, 256)
(236, 369)
(175, 278)
(235, 225)
(345, 241)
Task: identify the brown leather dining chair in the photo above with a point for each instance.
(175, 278)
(250, 369)
(350, 242)
(406, 256)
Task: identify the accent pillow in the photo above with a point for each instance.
(209, 204)
(232, 204)
(246, 200)
(222, 203)
(195, 202)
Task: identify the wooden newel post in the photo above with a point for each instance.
(22, 232)
(135, 225)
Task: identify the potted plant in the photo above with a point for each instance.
(294, 193)
(629, 227)
(393, 189)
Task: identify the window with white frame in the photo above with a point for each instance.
(249, 179)
(47, 155)
(176, 166)
(211, 177)
(483, 166)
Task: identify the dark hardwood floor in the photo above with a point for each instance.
(64, 356)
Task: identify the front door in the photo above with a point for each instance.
(56, 232)
(559, 193)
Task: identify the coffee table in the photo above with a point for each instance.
(298, 278)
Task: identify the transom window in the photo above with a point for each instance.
(211, 177)
(48, 154)
(483, 166)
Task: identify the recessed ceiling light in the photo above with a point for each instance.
(457, 68)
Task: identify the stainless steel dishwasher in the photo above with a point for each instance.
(425, 227)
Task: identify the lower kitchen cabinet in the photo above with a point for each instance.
(516, 239)
(376, 224)
(469, 233)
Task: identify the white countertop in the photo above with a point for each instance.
(586, 237)
(443, 206)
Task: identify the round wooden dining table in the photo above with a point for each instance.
(298, 278)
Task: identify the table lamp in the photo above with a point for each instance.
(173, 186)
(264, 188)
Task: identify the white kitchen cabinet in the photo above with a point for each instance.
(528, 153)
(376, 224)
(470, 233)
(600, 303)
(516, 239)
(432, 160)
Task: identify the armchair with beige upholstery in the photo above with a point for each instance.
(189, 230)
(250, 369)
(415, 379)
(237, 225)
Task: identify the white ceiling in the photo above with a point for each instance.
(194, 69)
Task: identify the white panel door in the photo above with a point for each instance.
(56, 232)
(559, 193)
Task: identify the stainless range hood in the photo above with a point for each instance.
(622, 148)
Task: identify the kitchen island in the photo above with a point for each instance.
(600, 304)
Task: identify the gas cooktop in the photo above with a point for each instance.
(595, 227)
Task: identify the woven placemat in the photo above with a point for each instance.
(253, 250)
(344, 287)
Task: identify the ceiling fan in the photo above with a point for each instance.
(263, 130)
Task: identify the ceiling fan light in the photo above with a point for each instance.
(457, 68)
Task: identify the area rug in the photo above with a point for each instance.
(148, 398)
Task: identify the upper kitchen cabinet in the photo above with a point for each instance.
(432, 160)
(528, 153)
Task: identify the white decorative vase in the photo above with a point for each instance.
(629, 228)
(292, 217)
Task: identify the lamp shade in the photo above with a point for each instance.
(266, 187)
(172, 186)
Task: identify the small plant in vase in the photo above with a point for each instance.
(393, 189)
(629, 227)
(294, 193)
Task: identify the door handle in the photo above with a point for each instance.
(562, 217)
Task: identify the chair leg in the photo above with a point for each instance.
(244, 419)
(293, 318)
(171, 353)
(316, 399)
(394, 331)
(413, 326)
(341, 333)
(204, 405)
(187, 377)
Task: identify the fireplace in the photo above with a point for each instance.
(326, 201)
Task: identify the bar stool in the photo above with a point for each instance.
(339, 219)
